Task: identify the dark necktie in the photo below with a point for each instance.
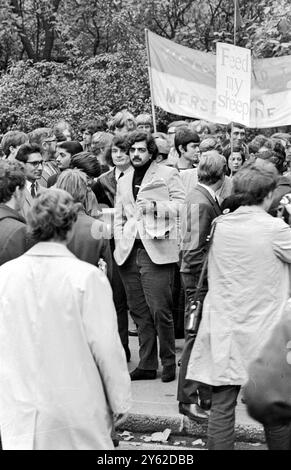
(32, 189)
(121, 175)
(216, 200)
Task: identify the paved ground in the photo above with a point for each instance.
(155, 408)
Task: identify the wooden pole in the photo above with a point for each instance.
(235, 22)
(150, 79)
(234, 42)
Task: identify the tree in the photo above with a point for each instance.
(80, 58)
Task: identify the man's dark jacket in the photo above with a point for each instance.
(201, 210)
(105, 188)
(14, 240)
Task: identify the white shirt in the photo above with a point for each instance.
(28, 186)
(118, 172)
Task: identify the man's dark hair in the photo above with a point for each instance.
(276, 158)
(87, 163)
(185, 136)
(25, 150)
(235, 124)
(12, 175)
(122, 142)
(253, 182)
(279, 148)
(12, 139)
(73, 147)
(140, 136)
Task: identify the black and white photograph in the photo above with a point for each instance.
(145, 229)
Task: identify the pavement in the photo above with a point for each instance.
(155, 407)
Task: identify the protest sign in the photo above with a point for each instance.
(184, 83)
(233, 83)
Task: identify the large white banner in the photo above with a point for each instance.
(184, 83)
(233, 83)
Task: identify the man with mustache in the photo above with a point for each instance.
(146, 249)
(30, 155)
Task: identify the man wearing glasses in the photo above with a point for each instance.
(146, 249)
(46, 139)
(30, 155)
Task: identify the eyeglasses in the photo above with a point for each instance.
(36, 164)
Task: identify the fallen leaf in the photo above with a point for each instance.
(157, 436)
(128, 438)
(125, 433)
(198, 442)
(161, 436)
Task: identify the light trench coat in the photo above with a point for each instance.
(63, 369)
(249, 285)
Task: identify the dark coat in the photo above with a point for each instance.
(200, 210)
(14, 240)
(105, 188)
(283, 187)
(88, 242)
(52, 180)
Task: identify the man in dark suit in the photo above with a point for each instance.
(201, 208)
(117, 155)
(30, 155)
(13, 237)
(65, 152)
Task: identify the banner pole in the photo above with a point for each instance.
(234, 42)
(150, 79)
(235, 22)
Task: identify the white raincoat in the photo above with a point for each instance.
(248, 288)
(62, 366)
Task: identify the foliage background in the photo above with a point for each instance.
(78, 59)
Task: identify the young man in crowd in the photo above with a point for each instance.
(11, 142)
(238, 133)
(88, 129)
(13, 236)
(122, 123)
(30, 155)
(146, 249)
(101, 142)
(46, 139)
(105, 192)
(187, 146)
(144, 122)
(65, 152)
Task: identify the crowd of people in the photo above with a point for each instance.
(124, 222)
